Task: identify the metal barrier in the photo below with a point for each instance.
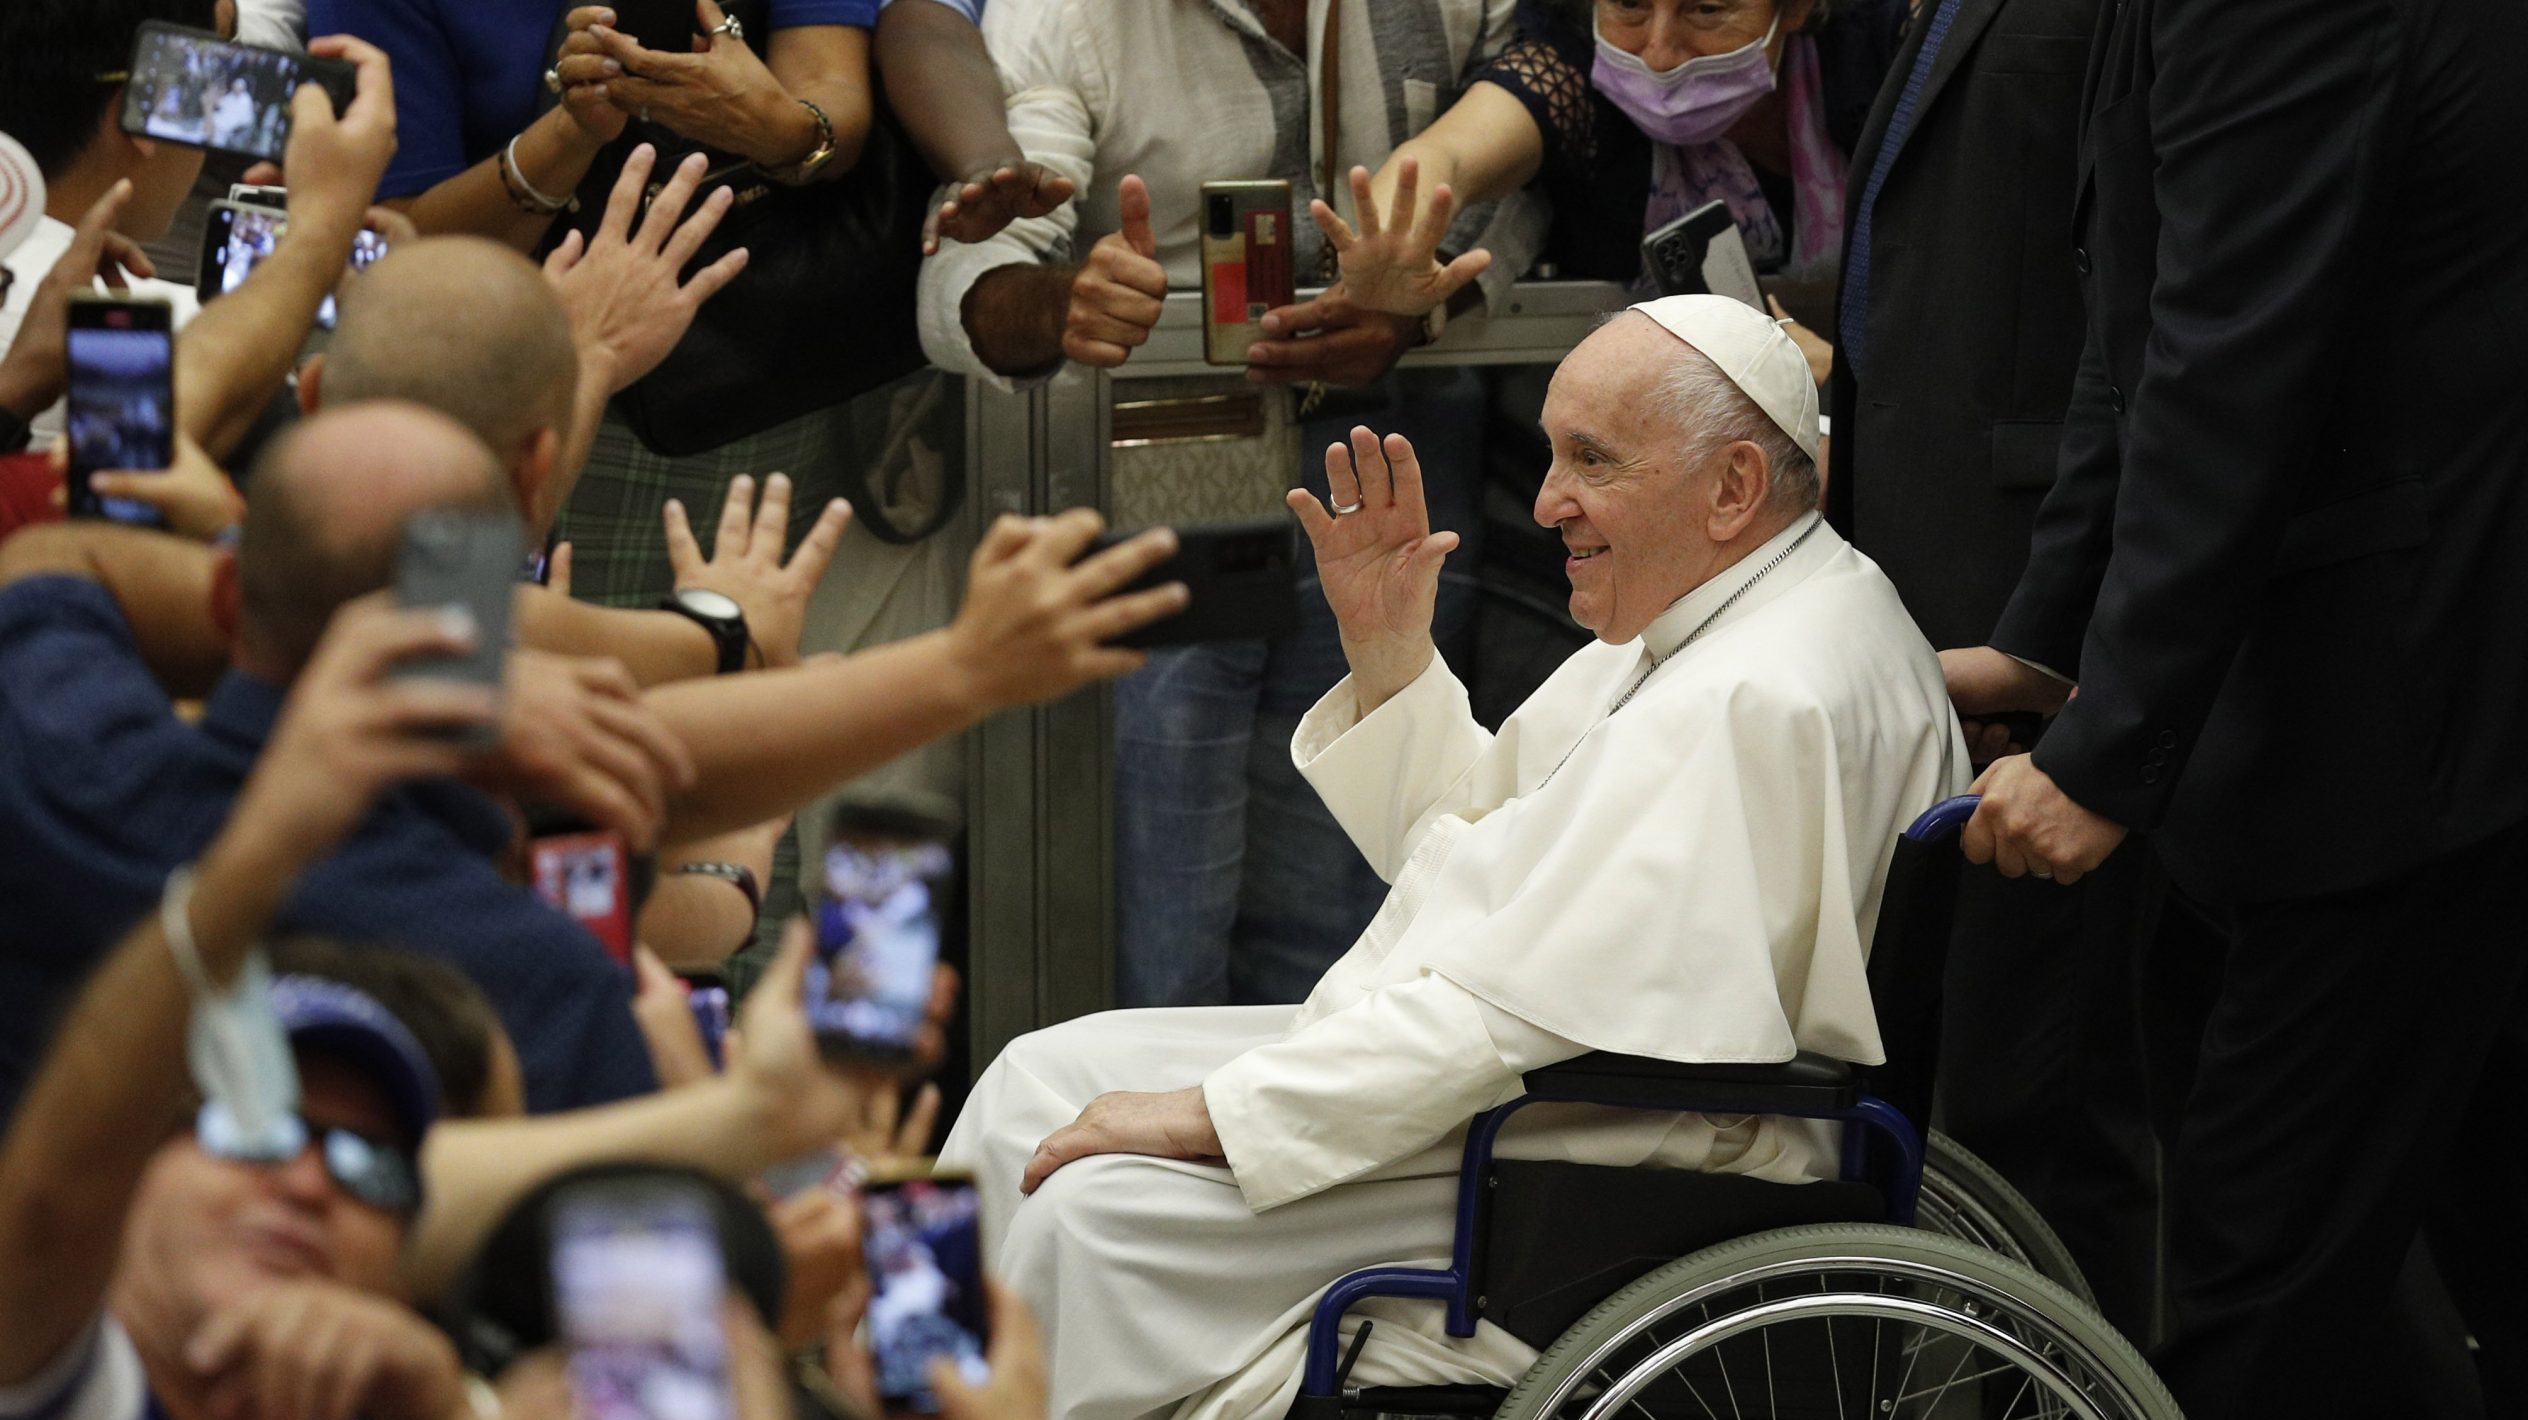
(1039, 783)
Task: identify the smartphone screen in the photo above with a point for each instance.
(877, 931)
(193, 87)
(588, 877)
(238, 236)
(638, 1285)
(121, 404)
(926, 1262)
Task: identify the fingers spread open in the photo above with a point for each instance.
(668, 208)
(1377, 482)
(1364, 206)
(697, 229)
(772, 519)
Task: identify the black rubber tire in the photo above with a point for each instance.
(2132, 1390)
(1952, 1176)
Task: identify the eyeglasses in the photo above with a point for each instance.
(375, 1173)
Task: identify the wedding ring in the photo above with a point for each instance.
(729, 27)
(1341, 508)
(2042, 874)
(553, 80)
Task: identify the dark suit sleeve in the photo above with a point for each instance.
(2049, 613)
(2267, 120)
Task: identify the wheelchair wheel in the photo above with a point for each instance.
(1964, 1197)
(1841, 1320)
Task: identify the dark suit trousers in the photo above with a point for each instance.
(2041, 1071)
(2359, 1081)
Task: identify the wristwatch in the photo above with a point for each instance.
(718, 614)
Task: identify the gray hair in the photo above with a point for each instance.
(1714, 413)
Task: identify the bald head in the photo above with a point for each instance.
(465, 326)
(326, 513)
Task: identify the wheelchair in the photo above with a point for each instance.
(1905, 1289)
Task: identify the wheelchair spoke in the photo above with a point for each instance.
(1834, 1360)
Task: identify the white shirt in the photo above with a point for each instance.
(98, 1378)
(1693, 877)
(33, 261)
(1184, 92)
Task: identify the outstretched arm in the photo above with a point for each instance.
(110, 1091)
(941, 82)
(1034, 627)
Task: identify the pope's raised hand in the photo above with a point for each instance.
(1377, 559)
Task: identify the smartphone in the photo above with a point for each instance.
(1247, 263)
(1242, 578)
(925, 1258)
(887, 874)
(1701, 253)
(465, 559)
(121, 409)
(587, 876)
(662, 25)
(238, 236)
(193, 87)
(259, 195)
(638, 1286)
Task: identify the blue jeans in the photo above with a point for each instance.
(1233, 884)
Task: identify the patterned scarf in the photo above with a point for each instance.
(1683, 179)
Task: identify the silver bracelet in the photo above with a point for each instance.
(175, 921)
(519, 175)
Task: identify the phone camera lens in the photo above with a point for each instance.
(1224, 216)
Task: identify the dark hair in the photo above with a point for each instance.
(51, 52)
(447, 1014)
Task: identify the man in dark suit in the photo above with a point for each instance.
(1959, 327)
(2282, 560)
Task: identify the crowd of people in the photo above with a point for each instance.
(2124, 438)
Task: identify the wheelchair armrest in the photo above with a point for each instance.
(1806, 1084)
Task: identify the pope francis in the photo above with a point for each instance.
(1675, 848)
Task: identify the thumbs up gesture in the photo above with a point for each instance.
(1119, 291)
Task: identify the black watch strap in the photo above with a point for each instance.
(729, 638)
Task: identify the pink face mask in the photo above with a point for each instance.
(1693, 103)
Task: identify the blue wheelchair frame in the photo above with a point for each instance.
(1829, 1089)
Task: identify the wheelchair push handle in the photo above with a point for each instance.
(1943, 821)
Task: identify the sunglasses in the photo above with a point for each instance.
(375, 1173)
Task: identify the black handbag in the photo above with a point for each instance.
(825, 307)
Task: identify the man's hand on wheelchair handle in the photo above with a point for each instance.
(2027, 824)
(1174, 1125)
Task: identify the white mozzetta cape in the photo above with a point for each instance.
(1697, 882)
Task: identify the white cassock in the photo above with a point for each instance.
(1693, 876)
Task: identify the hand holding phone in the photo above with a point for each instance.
(193, 87)
(1702, 253)
(1241, 579)
(122, 400)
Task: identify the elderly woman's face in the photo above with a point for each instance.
(1635, 522)
(1666, 33)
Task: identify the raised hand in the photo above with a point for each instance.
(1377, 559)
(334, 164)
(36, 370)
(625, 290)
(992, 199)
(745, 563)
(1120, 290)
(1392, 264)
(1038, 616)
